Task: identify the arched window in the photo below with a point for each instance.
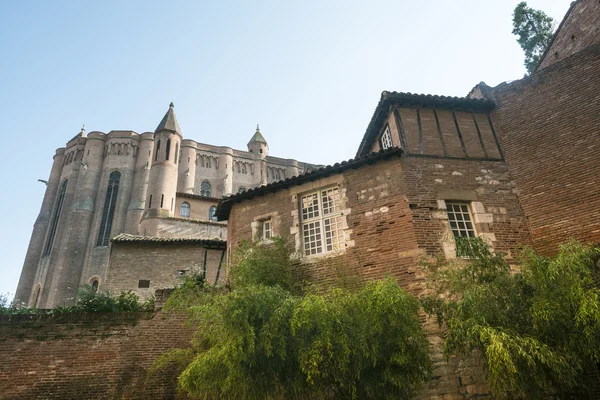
(108, 211)
(205, 189)
(211, 213)
(157, 150)
(95, 285)
(184, 210)
(241, 189)
(54, 224)
(168, 147)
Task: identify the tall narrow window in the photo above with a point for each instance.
(150, 202)
(108, 210)
(157, 150)
(54, 224)
(168, 147)
(95, 285)
(386, 138)
(211, 213)
(461, 225)
(176, 151)
(205, 189)
(184, 210)
(162, 200)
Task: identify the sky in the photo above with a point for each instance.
(309, 72)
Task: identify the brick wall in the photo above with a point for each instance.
(550, 133)
(395, 215)
(87, 356)
(160, 264)
(579, 30)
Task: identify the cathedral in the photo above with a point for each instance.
(132, 187)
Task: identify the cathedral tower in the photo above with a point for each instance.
(162, 183)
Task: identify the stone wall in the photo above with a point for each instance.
(160, 263)
(550, 133)
(87, 356)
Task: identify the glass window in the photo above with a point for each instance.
(460, 220)
(108, 211)
(205, 189)
(184, 210)
(386, 138)
(322, 221)
(241, 189)
(95, 285)
(211, 213)
(56, 217)
(267, 230)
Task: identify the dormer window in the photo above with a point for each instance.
(386, 138)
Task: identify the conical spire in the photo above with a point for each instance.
(258, 137)
(169, 121)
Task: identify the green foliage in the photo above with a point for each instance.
(267, 339)
(193, 290)
(534, 29)
(262, 264)
(8, 307)
(538, 328)
(88, 300)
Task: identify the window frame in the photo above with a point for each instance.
(464, 210)
(211, 213)
(267, 230)
(187, 207)
(318, 219)
(386, 138)
(205, 189)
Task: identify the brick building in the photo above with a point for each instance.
(516, 164)
(549, 128)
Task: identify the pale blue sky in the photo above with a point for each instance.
(309, 72)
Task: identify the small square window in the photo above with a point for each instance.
(386, 138)
(143, 284)
(267, 230)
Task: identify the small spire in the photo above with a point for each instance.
(169, 121)
(83, 129)
(257, 128)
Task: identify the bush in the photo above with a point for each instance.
(266, 338)
(538, 328)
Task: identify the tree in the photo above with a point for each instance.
(534, 29)
(538, 328)
(269, 337)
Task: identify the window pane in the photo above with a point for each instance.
(310, 206)
(459, 219)
(333, 233)
(184, 210)
(312, 238)
(331, 200)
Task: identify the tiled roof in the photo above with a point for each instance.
(197, 196)
(412, 99)
(127, 238)
(224, 207)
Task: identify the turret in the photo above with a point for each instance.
(258, 145)
(162, 183)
